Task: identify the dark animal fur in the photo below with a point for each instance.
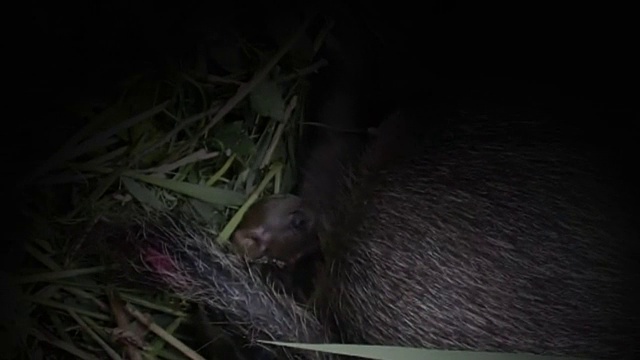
(495, 236)
(477, 242)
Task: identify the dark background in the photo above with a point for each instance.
(575, 57)
(575, 60)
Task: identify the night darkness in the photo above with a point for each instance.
(579, 63)
(576, 60)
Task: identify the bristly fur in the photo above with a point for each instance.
(493, 246)
(176, 253)
(479, 237)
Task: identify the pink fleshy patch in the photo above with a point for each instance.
(160, 262)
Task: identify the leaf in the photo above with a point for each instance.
(266, 99)
(207, 212)
(234, 137)
(142, 193)
(205, 193)
(409, 353)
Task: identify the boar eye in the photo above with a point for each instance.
(298, 220)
